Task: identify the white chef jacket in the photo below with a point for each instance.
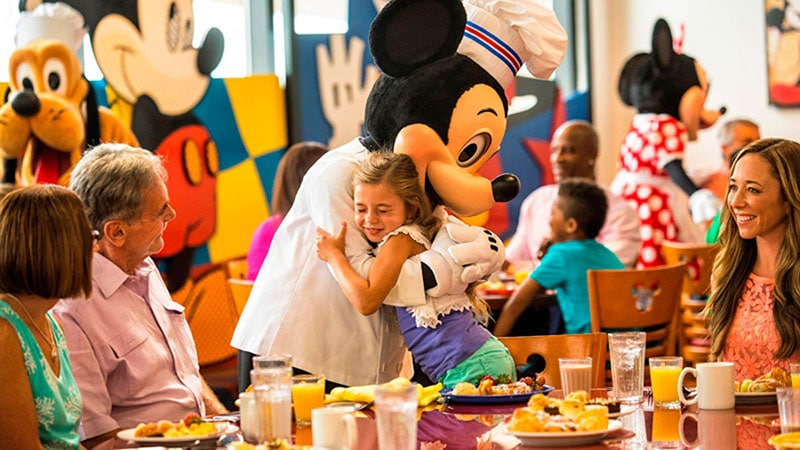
(297, 307)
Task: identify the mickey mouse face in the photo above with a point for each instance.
(440, 108)
(154, 55)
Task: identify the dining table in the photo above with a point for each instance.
(483, 426)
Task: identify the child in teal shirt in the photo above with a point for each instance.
(577, 216)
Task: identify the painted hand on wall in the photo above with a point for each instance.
(342, 91)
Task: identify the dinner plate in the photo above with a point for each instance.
(566, 438)
(785, 440)
(129, 435)
(501, 292)
(449, 397)
(756, 398)
(623, 411)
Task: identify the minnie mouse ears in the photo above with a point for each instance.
(499, 35)
(651, 80)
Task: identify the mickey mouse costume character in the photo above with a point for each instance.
(669, 91)
(448, 112)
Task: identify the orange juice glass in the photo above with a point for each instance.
(308, 392)
(794, 369)
(664, 373)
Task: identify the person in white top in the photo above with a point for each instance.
(574, 152)
(444, 105)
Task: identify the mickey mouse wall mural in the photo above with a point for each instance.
(144, 50)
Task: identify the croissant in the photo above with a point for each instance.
(770, 381)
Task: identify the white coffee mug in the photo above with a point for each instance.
(715, 385)
(327, 425)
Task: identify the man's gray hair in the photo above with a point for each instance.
(725, 133)
(111, 180)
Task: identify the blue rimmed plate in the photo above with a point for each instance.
(449, 397)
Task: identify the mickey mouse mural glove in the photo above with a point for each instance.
(462, 254)
(704, 205)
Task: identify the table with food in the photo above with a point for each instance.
(528, 413)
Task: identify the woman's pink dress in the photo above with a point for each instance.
(753, 339)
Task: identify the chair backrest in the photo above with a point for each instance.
(212, 316)
(237, 268)
(638, 299)
(693, 338)
(552, 347)
(240, 289)
(699, 260)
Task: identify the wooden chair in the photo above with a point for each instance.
(212, 315)
(693, 338)
(240, 290)
(237, 268)
(638, 299)
(557, 346)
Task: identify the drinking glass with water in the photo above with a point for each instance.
(627, 365)
(396, 414)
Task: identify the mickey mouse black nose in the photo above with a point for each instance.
(505, 187)
(25, 103)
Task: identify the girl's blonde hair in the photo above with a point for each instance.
(397, 171)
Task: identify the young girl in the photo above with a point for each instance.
(395, 215)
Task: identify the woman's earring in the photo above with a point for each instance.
(590, 162)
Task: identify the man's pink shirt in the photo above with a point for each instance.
(131, 349)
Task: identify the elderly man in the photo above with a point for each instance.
(131, 349)
(574, 152)
(733, 135)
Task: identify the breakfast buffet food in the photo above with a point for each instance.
(768, 382)
(491, 386)
(545, 414)
(191, 425)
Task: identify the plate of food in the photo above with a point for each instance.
(785, 441)
(565, 438)
(615, 408)
(191, 428)
(497, 288)
(574, 420)
(761, 391)
(756, 398)
(492, 392)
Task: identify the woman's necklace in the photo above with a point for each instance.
(50, 340)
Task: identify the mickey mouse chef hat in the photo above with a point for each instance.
(51, 20)
(502, 35)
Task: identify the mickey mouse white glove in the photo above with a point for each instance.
(462, 254)
(704, 205)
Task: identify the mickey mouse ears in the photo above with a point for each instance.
(51, 20)
(502, 35)
(409, 34)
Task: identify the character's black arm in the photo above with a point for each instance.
(675, 171)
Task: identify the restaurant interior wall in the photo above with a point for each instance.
(726, 36)
(256, 35)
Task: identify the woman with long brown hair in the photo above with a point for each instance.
(754, 307)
